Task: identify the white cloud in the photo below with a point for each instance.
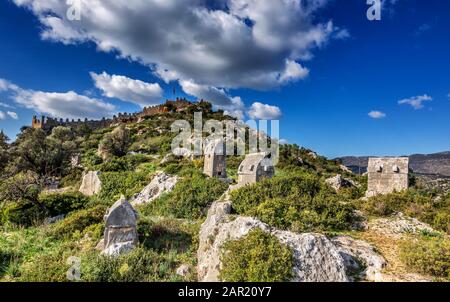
(5, 105)
(2, 115)
(128, 90)
(293, 72)
(259, 111)
(228, 43)
(416, 102)
(13, 115)
(61, 105)
(377, 114)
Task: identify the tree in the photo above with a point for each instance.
(4, 152)
(45, 155)
(115, 143)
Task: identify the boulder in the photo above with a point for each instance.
(357, 252)
(398, 225)
(91, 183)
(316, 258)
(160, 184)
(183, 270)
(338, 182)
(120, 234)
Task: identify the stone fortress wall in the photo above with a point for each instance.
(48, 123)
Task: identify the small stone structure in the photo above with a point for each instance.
(120, 228)
(387, 175)
(215, 160)
(91, 183)
(254, 168)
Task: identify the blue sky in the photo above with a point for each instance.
(355, 68)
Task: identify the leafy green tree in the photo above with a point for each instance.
(4, 151)
(115, 143)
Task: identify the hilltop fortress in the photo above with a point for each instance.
(48, 123)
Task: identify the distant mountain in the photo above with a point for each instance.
(430, 164)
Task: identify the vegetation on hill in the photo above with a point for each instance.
(128, 156)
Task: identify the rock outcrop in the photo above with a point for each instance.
(338, 182)
(91, 183)
(398, 225)
(160, 184)
(316, 258)
(360, 256)
(120, 234)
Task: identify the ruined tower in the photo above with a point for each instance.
(215, 164)
(387, 175)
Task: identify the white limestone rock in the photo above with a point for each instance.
(160, 184)
(316, 258)
(91, 183)
(398, 225)
(354, 251)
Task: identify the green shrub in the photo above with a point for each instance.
(78, 221)
(22, 213)
(115, 184)
(247, 198)
(189, 199)
(139, 265)
(257, 257)
(57, 204)
(428, 255)
(299, 203)
(420, 205)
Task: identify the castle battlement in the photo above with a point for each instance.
(48, 123)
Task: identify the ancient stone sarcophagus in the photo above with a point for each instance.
(120, 234)
(387, 175)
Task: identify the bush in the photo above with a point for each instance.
(428, 255)
(422, 206)
(247, 198)
(139, 265)
(115, 184)
(57, 204)
(257, 257)
(78, 221)
(189, 199)
(299, 203)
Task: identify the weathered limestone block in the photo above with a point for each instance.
(254, 168)
(160, 184)
(316, 258)
(120, 234)
(91, 183)
(352, 250)
(387, 175)
(215, 163)
(338, 182)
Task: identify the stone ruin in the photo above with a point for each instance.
(120, 234)
(387, 175)
(215, 164)
(91, 183)
(254, 168)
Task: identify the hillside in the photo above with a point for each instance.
(57, 183)
(429, 164)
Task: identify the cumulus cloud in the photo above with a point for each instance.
(12, 115)
(259, 111)
(128, 90)
(377, 114)
(416, 102)
(227, 43)
(62, 105)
